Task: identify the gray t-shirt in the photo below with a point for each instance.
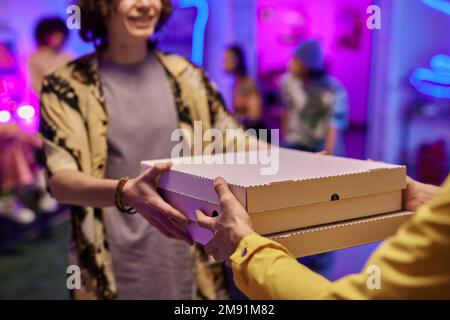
(142, 116)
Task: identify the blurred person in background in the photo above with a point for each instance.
(316, 104)
(18, 170)
(51, 34)
(21, 174)
(124, 236)
(315, 108)
(247, 101)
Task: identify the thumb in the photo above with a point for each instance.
(222, 189)
(157, 170)
(205, 221)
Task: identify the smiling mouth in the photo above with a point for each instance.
(145, 20)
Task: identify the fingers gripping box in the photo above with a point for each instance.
(311, 203)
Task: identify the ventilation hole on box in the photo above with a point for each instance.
(335, 197)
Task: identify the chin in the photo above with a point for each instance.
(140, 34)
(143, 32)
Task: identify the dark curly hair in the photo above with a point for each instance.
(94, 13)
(239, 54)
(48, 26)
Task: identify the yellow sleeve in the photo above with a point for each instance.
(61, 126)
(264, 269)
(414, 264)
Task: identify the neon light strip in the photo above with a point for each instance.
(435, 81)
(198, 39)
(442, 5)
(441, 63)
(431, 83)
(432, 76)
(434, 90)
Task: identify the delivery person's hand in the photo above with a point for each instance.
(141, 194)
(417, 194)
(229, 227)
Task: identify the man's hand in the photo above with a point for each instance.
(417, 194)
(229, 227)
(141, 194)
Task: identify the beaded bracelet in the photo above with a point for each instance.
(118, 200)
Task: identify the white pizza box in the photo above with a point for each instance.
(306, 190)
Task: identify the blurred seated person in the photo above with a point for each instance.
(51, 34)
(413, 263)
(316, 104)
(18, 169)
(247, 101)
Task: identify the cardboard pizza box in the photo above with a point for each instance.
(307, 190)
(341, 235)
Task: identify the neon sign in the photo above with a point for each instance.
(435, 81)
(442, 5)
(198, 38)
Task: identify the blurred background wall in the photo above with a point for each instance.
(412, 34)
(374, 65)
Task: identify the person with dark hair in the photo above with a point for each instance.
(316, 104)
(247, 102)
(101, 115)
(235, 62)
(51, 34)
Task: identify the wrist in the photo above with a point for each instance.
(425, 193)
(240, 235)
(122, 198)
(127, 192)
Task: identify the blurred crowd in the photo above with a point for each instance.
(21, 167)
